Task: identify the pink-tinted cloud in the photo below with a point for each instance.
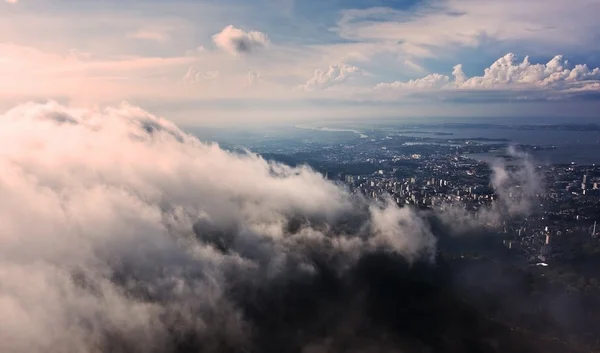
(32, 72)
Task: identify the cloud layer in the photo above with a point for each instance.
(432, 28)
(118, 230)
(121, 233)
(106, 52)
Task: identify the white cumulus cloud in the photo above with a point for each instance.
(508, 73)
(236, 41)
(335, 74)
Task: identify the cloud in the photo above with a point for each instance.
(158, 36)
(429, 81)
(252, 78)
(12, 1)
(334, 75)
(508, 74)
(31, 72)
(517, 188)
(392, 220)
(195, 76)
(119, 232)
(236, 41)
(507, 71)
(434, 28)
(387, 43)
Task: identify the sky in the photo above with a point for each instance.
(234, 61)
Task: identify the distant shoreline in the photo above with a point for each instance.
(324, 128)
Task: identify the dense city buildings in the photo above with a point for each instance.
(431, 168)
(564, 208)
(529, 252)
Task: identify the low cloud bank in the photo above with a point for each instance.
(118, 228)
(121, 233)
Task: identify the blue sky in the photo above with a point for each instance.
(223, 61)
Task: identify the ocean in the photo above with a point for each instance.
(580, 147)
